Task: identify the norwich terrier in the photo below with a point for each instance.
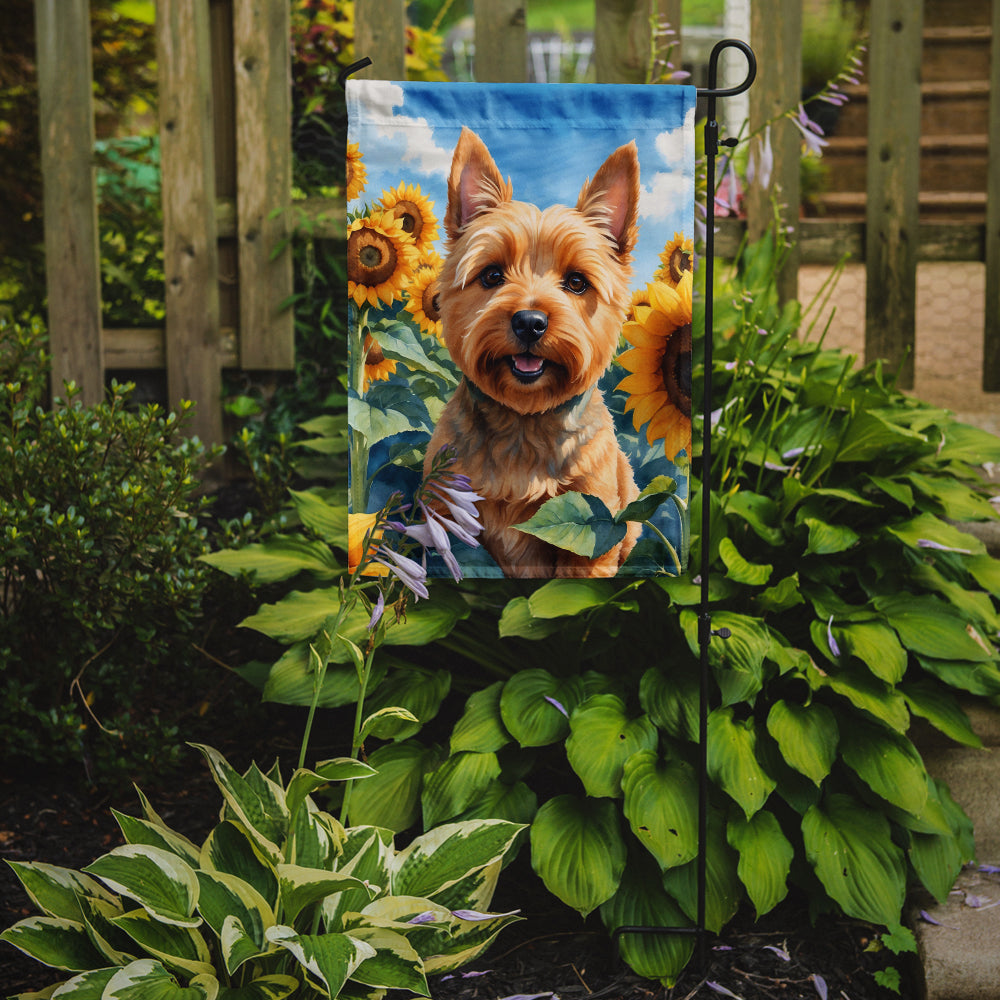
(531, 306)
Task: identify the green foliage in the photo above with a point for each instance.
(101, 587)
(280, 899)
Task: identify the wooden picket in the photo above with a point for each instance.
(226, 161)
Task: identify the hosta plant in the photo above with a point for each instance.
(279, 900)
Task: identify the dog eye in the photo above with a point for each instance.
(491, 276)
(576, 283)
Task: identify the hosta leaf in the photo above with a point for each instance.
(559, 598)
(301, 887)
(601, 739)
(936, 704)
(530, 706)
(976, 678)
(391, 798)
(180, 948)
(441, 857)
(54, 941)
(928, 528)
(827, 539)
(850, 848)
(225, 897)
(304, 782)
(147, 979)
(327, 520)
(937, 858)
(671, 700)
(387, 723)
(732, 760)
(274, 987)
(481, 728)
(142, 831)
(56, 891)
(577, 522)
(279, 558)
(807, 736)
(366, 855)
(395, 964)
(292, 680)
(783, 595)
(159, 881)
(467, 940)
(417, 690)
(765, 858)
(87, 986)
(516, 620)
(932, 628)
(723, 889)
(456, 784)
(957, 501)
(661, 802)
(578, 851)
(516, 803)
(876, 646)
(870, 436)
(888, 763)
(98, 916)
(739, 569)
(866, 692)
(330, 959)
(641, 901)
(230, 849)
(738, 661)
(985, 570)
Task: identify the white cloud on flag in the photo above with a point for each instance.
(669, 189)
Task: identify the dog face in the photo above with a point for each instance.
(532, 301)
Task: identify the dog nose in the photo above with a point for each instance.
(529, 325)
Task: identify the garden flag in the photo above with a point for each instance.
(519, 282)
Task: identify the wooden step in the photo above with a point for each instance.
(957, 206)
(956, 53)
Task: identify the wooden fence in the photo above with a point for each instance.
(226, 161)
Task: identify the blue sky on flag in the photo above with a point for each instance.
(548, 138)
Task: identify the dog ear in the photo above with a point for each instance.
(611, 200)
(475, 184)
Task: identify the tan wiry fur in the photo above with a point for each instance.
(532, 424)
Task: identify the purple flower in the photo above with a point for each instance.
(780, 952)
(820, 983)
(761, 162)
(427, 917)
(811, 132)
(410, 573)
(461, 505)
(927, 543)
(475, 915)
(377, 612)
(719, 988)
(558, 705)
(834, 648)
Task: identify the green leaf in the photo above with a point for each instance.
(517, 620)
(602, 738)
(577, 850)
(275, 987)
(142, 831)
(560, 598)
(732, 760)
(783, 595)
(765, 858)
(401, 342)
(54, 941)
(279, 558)
(807, 736)
(661, 799)
(225, 897)
(671, 700)
(640, 901)
(304, 782)
(738, 569)
(927, 527)
(976, 678)
(737, 661)
(301, 887)
(760, 512)
(163, 884)
(876, 645)
(456, 784)
(56, 891)
(866, 692)
(932, 628)
(646, 504)
(850, 848)
(527, 706)
(391, 410)
(577, 522)
(86, 986)
(395, 964)
(481, 727)
(870, 436)
(941, 709)
(181, 948)
(391, 798)
(330, 959)
(418, 690)
(828, 539)
(147, 979)
(230, 849)
(888, 763)
(327, 520)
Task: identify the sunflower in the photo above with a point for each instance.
(659, 385)
(380, 258)
(378, 367)
(677, 258)
(423, 295)
(356, 173)
(358, 525)
(407, 203)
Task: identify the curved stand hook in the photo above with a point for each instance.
(353, 68)
(712, 90)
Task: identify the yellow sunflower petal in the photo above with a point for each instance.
(641, 382)
(636, 361)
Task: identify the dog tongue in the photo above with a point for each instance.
(527, 364)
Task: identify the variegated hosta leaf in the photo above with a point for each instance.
(86, 986)
(468, 940)
(642, 902)
(441, 857)
(395, 964)
(54, 941)
(850, 847)
(56, 891)
(177, 947)
(578, 851)
(304, 782)
(158, 880)
(481, 727)
(147, 979)
(230, 849)
(807, 736)
(661, 805)
(367, 853)
(256, 801)
(765, 858)
(732, 760)
(456, 784)
(315, 838)
(275, 987)
(116, 946)
(141, 831)
(300, 887)
(475, 891)
(224, 898)
(602, 737)
(328, 959)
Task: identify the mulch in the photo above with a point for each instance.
(551, 953)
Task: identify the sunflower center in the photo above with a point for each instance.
(430, 302)
(374, 355)
(676, 368)
(371, 258)
(679, 263)
(409, 214)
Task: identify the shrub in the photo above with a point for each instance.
(99, 539)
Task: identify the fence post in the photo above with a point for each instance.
(72, 254)
(262, 61)
(622, 40)
(776, 33)
(991, 332)
(501, 41)
(380, 34)
(893, 183)
(190, 250)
